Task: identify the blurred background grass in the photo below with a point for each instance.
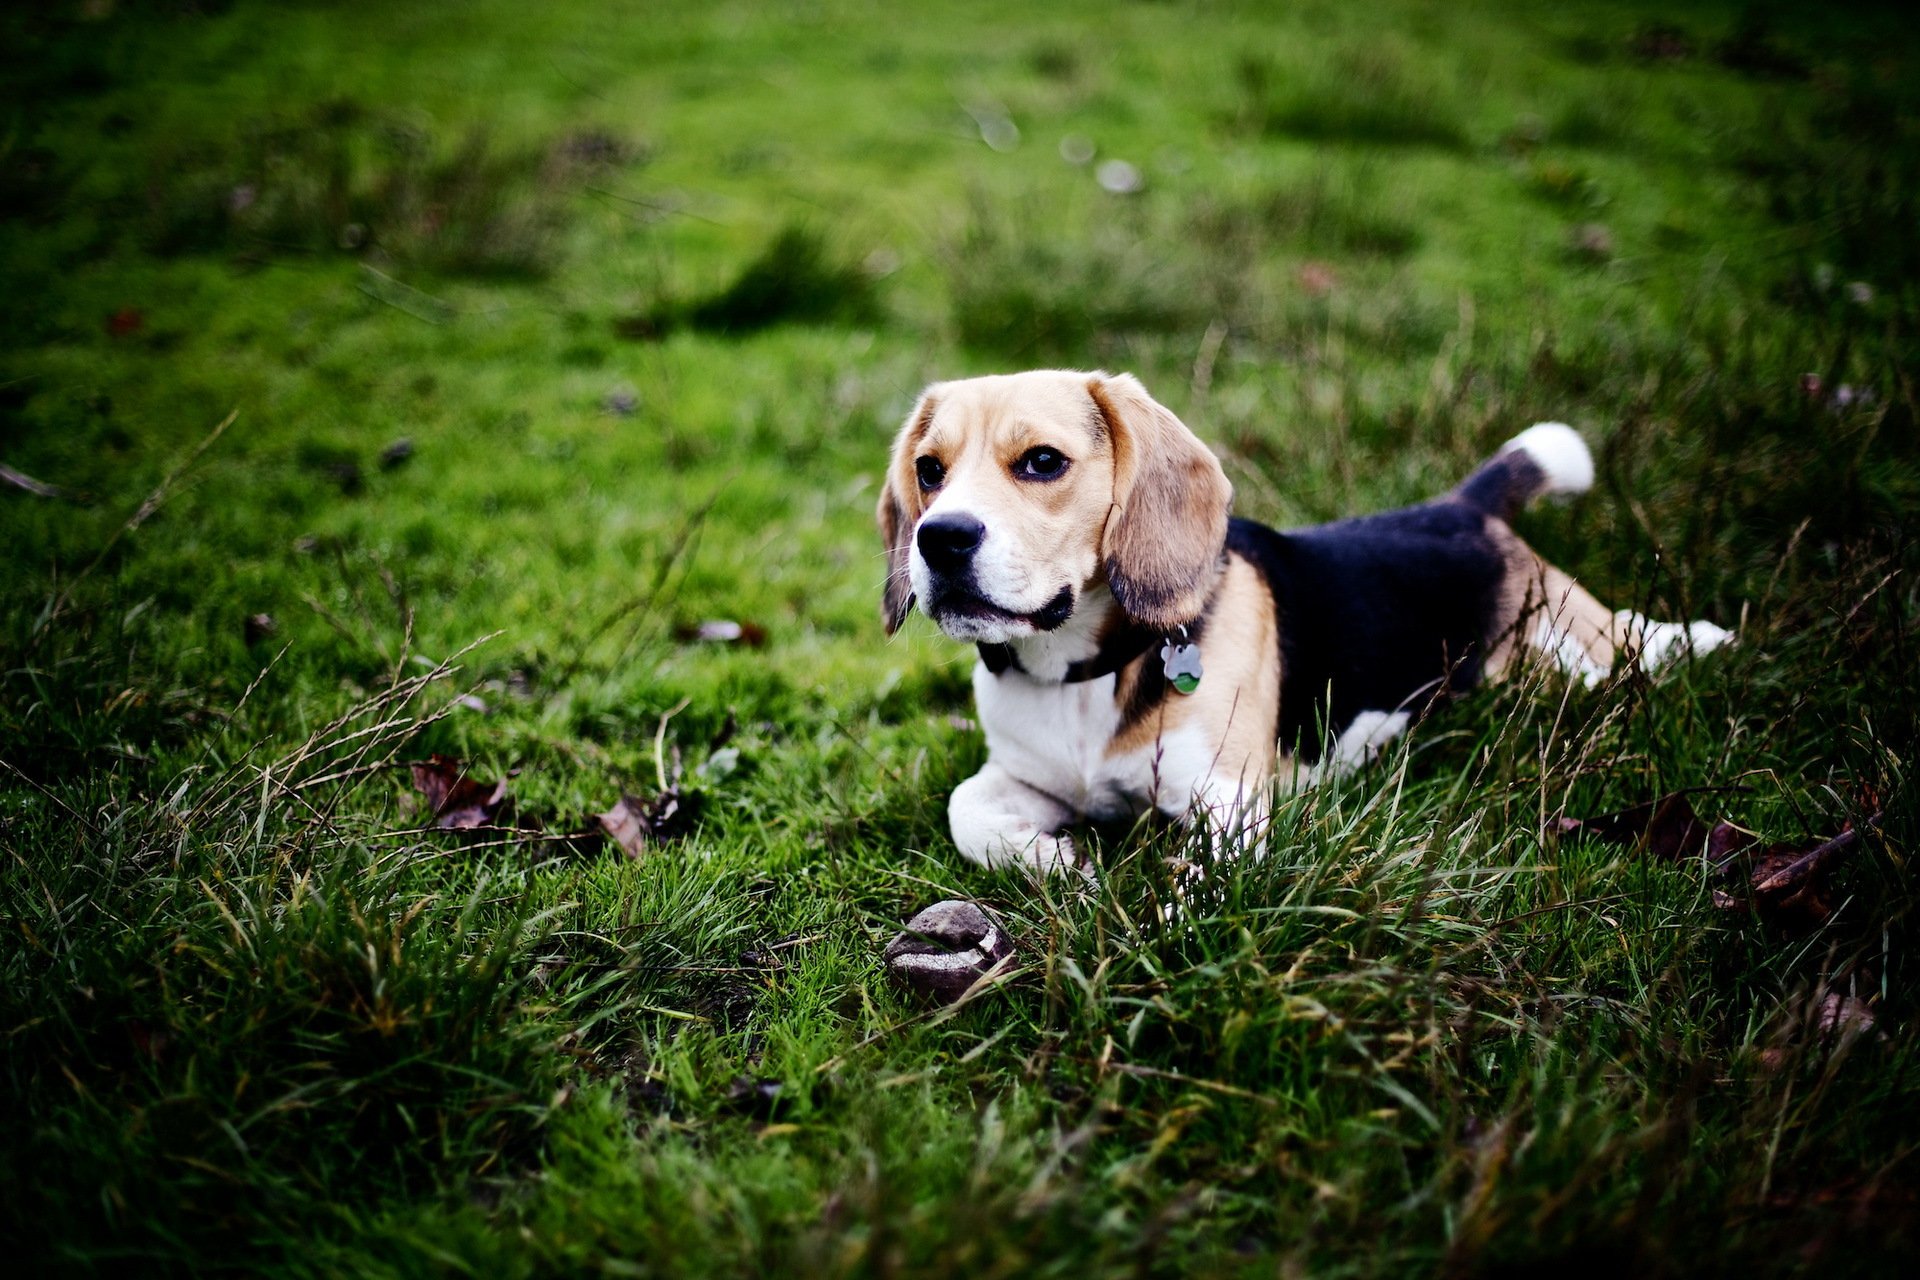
(577, 325)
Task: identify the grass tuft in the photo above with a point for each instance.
(1376, 93)
(344, 181)
(1032, 297)
(795, 279)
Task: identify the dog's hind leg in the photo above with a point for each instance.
(1000, 821)
(1563, 624)
(1550, 618)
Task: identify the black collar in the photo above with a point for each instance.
(1127, 642)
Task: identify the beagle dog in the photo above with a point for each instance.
(1141, 650)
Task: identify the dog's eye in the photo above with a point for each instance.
(1040, 463)
(930, 471)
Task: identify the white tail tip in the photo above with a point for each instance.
(1557, 450)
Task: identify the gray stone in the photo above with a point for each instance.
(945, 948)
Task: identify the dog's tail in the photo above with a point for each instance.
(1548, 457)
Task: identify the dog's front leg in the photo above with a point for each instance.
(1000, 821)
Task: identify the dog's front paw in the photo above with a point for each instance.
(1051, 855)
(999, 821)
(1041, 854)
(1027, 847)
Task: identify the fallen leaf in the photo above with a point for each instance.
(1785, 882)
(634, 823)
(719, 764)
(1782, 869)
(1833, 1022)
(1727, 840)
(1667, 828)
(1788, 882)
(627, 825)
(459, 802)
(1844, 1015)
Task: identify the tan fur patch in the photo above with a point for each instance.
(1238, 701)
(1535, 595)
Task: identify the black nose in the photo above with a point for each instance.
(948, 542)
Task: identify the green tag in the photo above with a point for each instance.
(1182, 663)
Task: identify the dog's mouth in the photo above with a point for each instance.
(958, 605)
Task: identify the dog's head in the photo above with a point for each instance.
(1008, 497)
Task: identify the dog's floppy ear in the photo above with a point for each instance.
(899, 511)
(1169, 519)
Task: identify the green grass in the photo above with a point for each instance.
(647, 290)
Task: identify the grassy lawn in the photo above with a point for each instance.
(544, 334)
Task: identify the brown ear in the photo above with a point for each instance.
(1169, 519)
(899, 511)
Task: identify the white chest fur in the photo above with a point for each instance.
(1056, 738)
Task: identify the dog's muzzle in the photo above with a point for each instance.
(948, 544)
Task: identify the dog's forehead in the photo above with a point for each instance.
(1043, 401)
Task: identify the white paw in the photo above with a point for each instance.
(1039, 854)
(1705, 637)
(1660, 644)
(1053, 855)
(1369, 732)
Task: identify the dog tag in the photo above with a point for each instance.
(1182, 663)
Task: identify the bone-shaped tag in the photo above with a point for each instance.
(1182, 663)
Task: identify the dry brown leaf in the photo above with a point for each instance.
(625, 825)
(634, 823)
(1667, 828)
(1785, 882)
(1788, 883)
(459, 802)
(1844, 1015)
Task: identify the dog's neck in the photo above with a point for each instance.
(1047, 656)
